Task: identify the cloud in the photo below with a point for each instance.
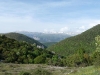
(64, 29)
(93, 23)
(49, 31)
(52, 15)
(82, 28)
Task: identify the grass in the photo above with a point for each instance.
(42, 69)
(91, 70)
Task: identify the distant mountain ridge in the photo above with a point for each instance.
(22, 37)
(45, 37)
(85, 40)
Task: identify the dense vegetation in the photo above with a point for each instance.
(83, 41)
(12, 51)
(21, 37)
(22, 52)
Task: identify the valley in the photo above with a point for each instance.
(49, 37)
(21, 55)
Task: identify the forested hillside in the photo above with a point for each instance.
(21, 52)
(12, 51)
(84, 41)
(21, 37)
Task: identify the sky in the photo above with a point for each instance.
(68, 16)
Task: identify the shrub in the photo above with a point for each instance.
(39, 59)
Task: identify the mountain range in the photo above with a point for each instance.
(45, 37)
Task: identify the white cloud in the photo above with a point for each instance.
(64, 29)
(37, 17)
(82, 27)
(79, 29)
(49, 31)
(93, 23)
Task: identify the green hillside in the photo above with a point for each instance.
(12, 51)
(21, 37)
(84, 41)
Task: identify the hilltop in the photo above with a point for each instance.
(85, 40)
(22, 37)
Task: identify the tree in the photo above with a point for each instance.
(96, 54)
(39, 59)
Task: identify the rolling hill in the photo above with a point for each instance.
(22, 37)
(85, 40)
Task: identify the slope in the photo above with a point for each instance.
(85, 40)
(21, 37)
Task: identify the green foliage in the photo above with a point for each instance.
(57, 60)
(97, 59)
(12, 51)
(96, 54)
(80, 58)
(70, 45)
(40, 59)
(97, 39)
